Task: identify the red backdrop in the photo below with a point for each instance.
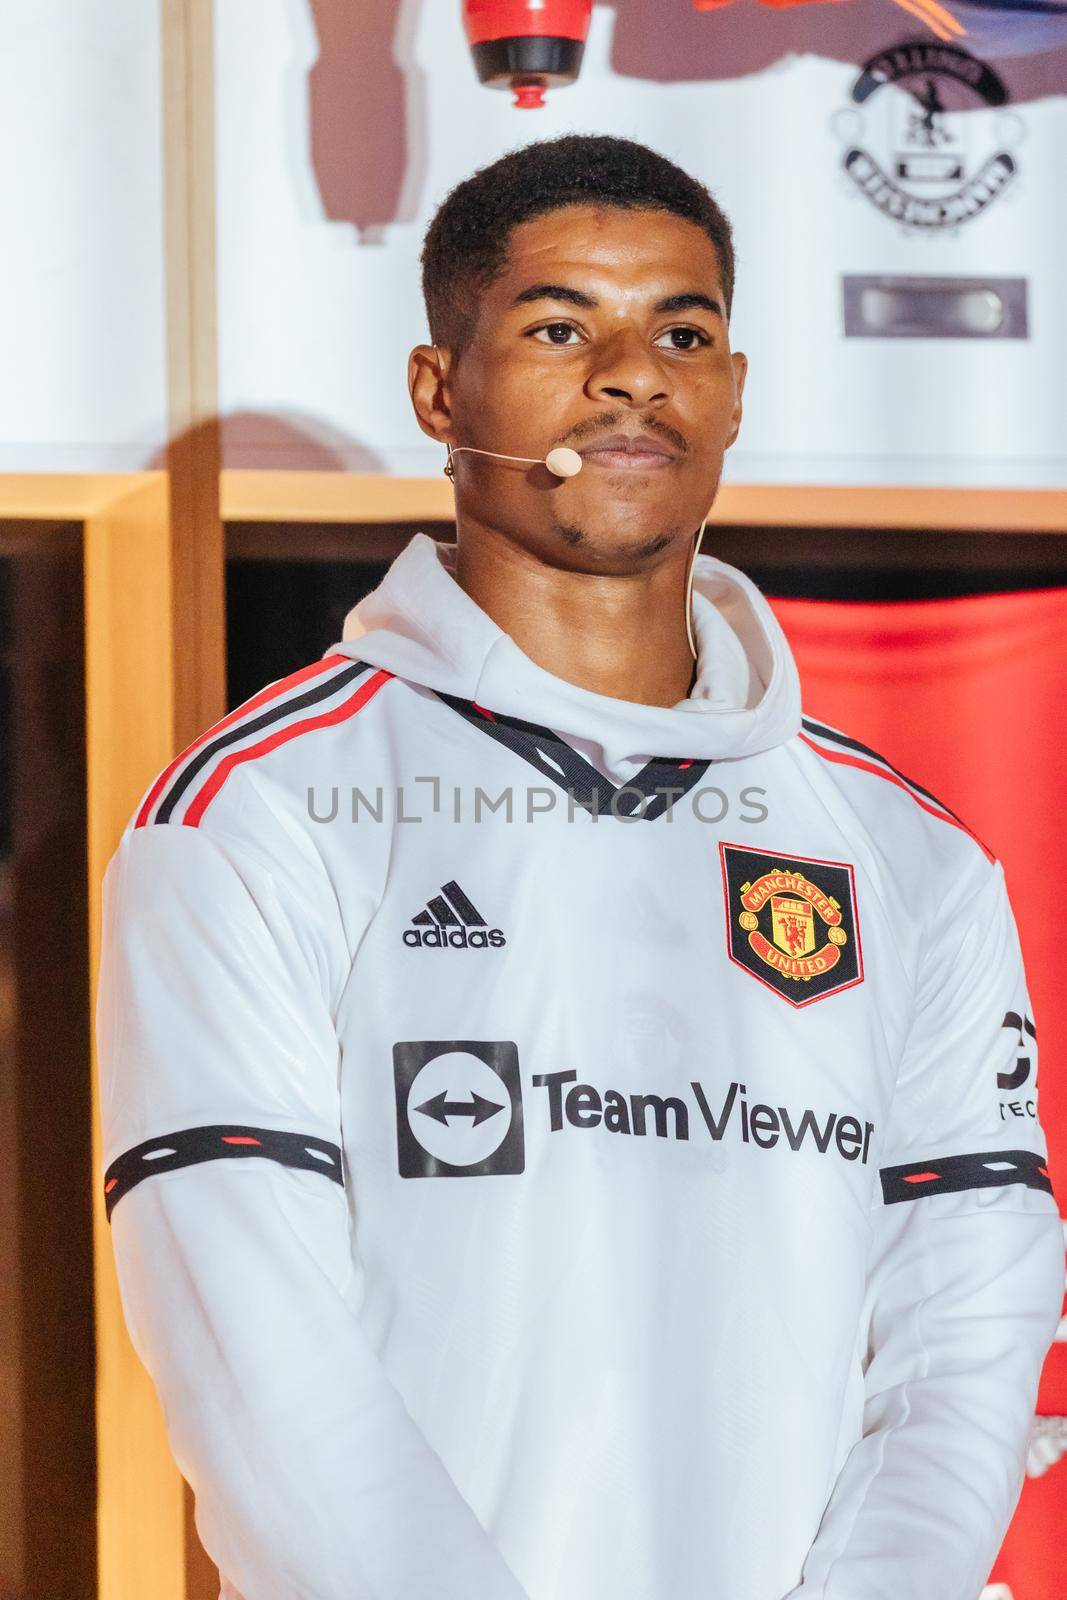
(969, 697)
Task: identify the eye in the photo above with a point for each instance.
(554, 327)
(693, 333)
(559, 333)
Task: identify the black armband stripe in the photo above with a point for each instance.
(189, 1146)
(989, 1169)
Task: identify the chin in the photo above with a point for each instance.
(603, 549)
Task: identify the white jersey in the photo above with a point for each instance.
(566, 1148)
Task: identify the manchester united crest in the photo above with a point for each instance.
(792, 922)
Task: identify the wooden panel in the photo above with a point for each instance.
(130, 734)
(333, 497)
(155, 645)
(355, 497)
(62, 496)
(193, 451)
(47, 1443)
(250, 496)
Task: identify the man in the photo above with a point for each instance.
(551, 1096)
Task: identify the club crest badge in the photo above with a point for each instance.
(928, 138)
(791, 921)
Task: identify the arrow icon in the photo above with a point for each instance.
(440, 1108)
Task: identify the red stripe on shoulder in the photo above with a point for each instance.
(839, 758)
(347, 708)
(273, 691)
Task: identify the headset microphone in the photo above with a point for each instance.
(567, 463)
(561, 461)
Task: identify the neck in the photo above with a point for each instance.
(621, 635)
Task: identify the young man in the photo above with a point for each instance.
(551, 1094)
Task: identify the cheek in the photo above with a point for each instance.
(500, 407)
(709, 411)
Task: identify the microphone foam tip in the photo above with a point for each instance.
(563, 462)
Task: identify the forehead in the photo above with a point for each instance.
(640, 251)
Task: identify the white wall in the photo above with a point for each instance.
(321, 229)
(339, 129)
(82, 374)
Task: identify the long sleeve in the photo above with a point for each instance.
(219, 1068)
(965, 1283)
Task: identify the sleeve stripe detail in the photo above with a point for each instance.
(339, 713)
(892, 776)
(189, 1146)
(821, 731)
(989, 1169)
(272, 693)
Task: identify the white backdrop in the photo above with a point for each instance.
(82, 342)
(318, 314)
(341, 125)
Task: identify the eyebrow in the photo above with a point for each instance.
(575, 297)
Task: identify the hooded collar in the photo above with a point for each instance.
(419, 624)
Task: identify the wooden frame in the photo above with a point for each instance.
(295, 497)
(250, 496)
(154, 665)
(129, 730)
(154, 679)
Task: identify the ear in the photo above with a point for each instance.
(428, 369)
(740, 365)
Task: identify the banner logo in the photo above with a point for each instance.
(791, 922)
(933, 152)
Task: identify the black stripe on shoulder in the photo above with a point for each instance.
(189, 1146)
(321, 690)
(989, 1169)
(864, 749)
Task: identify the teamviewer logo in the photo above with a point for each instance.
(458, 1108)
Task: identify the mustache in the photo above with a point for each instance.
(593, 427)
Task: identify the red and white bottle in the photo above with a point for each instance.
(527, 46)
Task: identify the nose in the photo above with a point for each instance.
(623, 367)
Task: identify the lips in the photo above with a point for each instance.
(629, 452)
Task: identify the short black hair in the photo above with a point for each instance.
(466, 244)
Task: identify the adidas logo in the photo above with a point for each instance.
(452, 922)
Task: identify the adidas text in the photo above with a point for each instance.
(454, 938)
